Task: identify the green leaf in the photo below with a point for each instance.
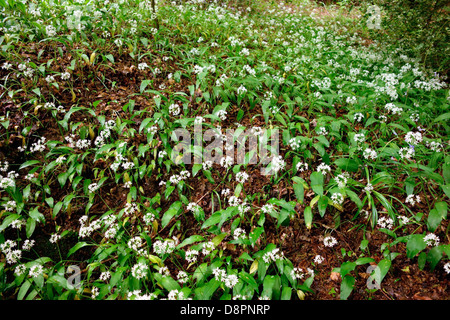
(382, 269)
(175, 209)
(322, 205)
(77, 247)
(286, 293)
(169, 284)
(30, 226)
(317, 182)
(361, 261)
(347, 164)
(190, 240)
(36, 215)
(347, 285)
(414, 245)
(28, 163)
(144, 85)
(299, 189)
(346, 268)
(308, 217)
(434, 256)
(205, 292)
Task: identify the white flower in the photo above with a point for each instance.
(302, 166)
(222, 114)
(191, 255)
(50, 79)
(412, 199)
(105, 276)
(175, 295)
(370, 154)
(55, 238)
(390, 107)
(358, 116)
(174, 109)
(28, 244)
(208, 247)
(182, 277)
(322, 131)
(241, 90)
(278, 163)
(226, 162)
(403, 219)
(385, 222)
(93, 187)
(65, 76)
(297, 273)
(35, 271)
(294, 143)
(139, 270)
(337, 198)
(431, 240)
(142, 66)
(207, 165)
(359, 138)
(20, 270)
(368, 188)
(50, 30)
(447, 267)
(273, 255)
(164, 271)
(241, 177)
(329, 241)
(198, 120)
(318, 259)
(164, 247)
(323, 168)
(413, 138)
(406, 153)
(239, 233)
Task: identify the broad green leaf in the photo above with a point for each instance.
(317, 182)
(347, 285)
(308, 217)
(347, 164)
(174, 210)
(414, 245)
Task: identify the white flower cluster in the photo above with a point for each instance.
(239, 233)
(87, 229)
(191, 255)
(139, 270)
(412, 199)
(370, 154)
(229, 280)
(385, 222)
(329, 241)
(323, 168)
(297, 273)
(413, 138)
(100, 140)
(12, 255)
(337, 198)
(431, 240)
(38, 146)
(273, 256)
(208, 247)
(177, 178)
(241, 177)
(392, 108)
(166, 246)
(301, 166)
(136, 243)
